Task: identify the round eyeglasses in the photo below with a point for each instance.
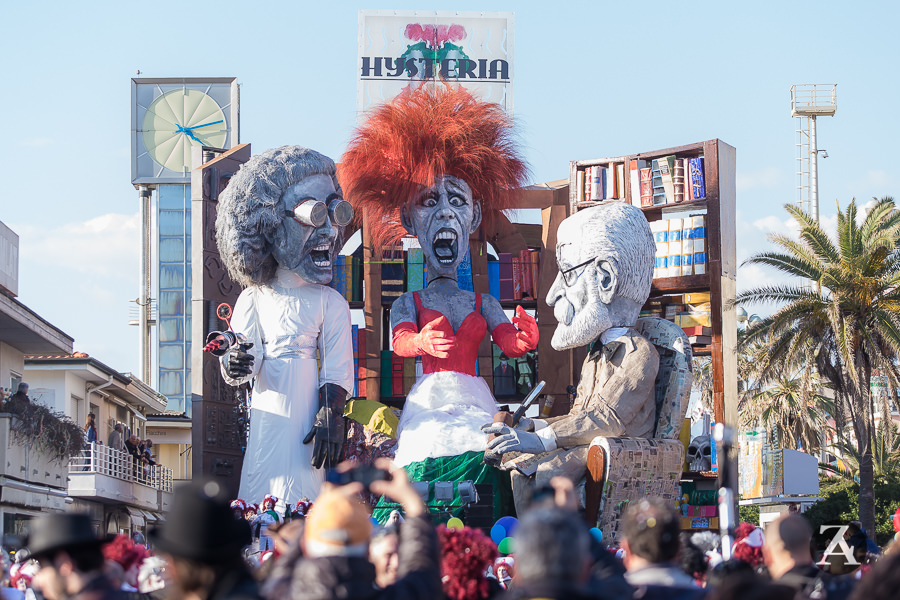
(314, 212)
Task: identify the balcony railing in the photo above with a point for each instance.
(103, 460)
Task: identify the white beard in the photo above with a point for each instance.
(584, 327)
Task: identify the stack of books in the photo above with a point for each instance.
(514, 277)
(667, 180)
(348, 276)
(680, 246)
(691, 311)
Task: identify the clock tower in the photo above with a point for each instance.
(170, 117)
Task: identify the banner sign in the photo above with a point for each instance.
(400, 49)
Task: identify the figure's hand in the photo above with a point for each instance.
(328, 432)
(239, 363)
(514, 440)
(525, 424)
(328, 428)
(434, 342)
(527, 337)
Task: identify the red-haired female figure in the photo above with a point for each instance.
(435, 163)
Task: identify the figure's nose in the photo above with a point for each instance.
(556, 291)
(445, 211)
(327, 228)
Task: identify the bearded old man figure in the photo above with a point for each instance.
(605, 256)
(435, 164)
(280, 223)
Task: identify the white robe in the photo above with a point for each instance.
(287, 322)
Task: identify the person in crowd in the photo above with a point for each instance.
(148, 452)
(787, 555)
(129, 556)
(90, 429)
(466, 554)
(882, 582)
(116, 439)
(151, 577)
(748, 545)
(70, 558)
(336, 544)
(503, 567)
(650, 541)
(693, 560)
(260, 524)
(132, 447)
(552, 555)
(383, 554)
(202, 543)
(19, 399)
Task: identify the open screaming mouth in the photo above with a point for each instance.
(321, 256)
(445, 246)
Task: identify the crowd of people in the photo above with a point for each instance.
(214, 547)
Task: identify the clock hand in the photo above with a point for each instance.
(190, 134)
(206, 124)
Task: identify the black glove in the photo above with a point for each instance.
(328, 430)
(239, 363)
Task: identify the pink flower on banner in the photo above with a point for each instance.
(435, 35)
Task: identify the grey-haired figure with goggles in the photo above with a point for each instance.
(280, 224)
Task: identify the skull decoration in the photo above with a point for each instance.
(699, 454)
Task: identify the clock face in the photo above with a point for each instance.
(179, 119)
(173, 117)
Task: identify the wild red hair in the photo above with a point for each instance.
(405, 144)
(744, 551)
(465, 556)
(124, 551)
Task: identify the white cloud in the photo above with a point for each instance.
(80, 276)
(107, 245)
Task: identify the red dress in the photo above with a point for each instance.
(471, 331)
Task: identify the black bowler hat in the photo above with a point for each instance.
(64, 531)
(200, 525)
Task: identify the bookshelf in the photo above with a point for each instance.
(717, 207)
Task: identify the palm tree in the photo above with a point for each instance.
(846, 324)
(789, 407)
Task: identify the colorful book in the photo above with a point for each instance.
(385, 377)
(506, 277)
(634, 175)
(354, 337)
(697, 297)
(697, 330)
(396, 375)
(659, 190)
(579, 185)
(392, 278)
(415, 270)
(361, 371)
(698, 179)
(356, 285)
(464, 273)
(688, 188)
(409, 373)
(678, 180)
(646, 195)
(620, 181)
(535, 265)
(667, 175)
(588, 183)
(596, 184)
(517, 277)
(527, 275)
(494, 278)
(611, 191)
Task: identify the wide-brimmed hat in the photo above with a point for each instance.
(201, 526)
(64, 531)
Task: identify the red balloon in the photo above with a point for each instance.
(897, 520)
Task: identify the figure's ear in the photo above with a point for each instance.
(275, 235)
(476, 216)
(406, 220)
(607, 278)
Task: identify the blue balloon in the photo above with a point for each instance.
(596, 534)
(498, 532)
(509, 524)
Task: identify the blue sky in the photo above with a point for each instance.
(592, 79)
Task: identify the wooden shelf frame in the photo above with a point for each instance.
(719, 280)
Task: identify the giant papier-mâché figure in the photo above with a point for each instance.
(280, 223)
(435, 163)
(605, 256)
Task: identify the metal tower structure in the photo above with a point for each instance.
(808, 101)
